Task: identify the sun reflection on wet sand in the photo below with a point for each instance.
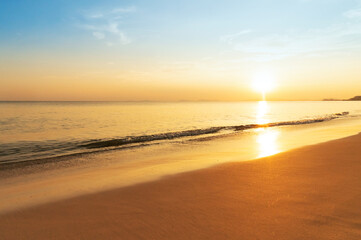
(267, 137)
(267, 142)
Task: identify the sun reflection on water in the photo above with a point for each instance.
(267, 137)
(262, 110)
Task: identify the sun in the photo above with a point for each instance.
(263, 83)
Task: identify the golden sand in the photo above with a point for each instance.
(309, 193)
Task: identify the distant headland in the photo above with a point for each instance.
(355, 98)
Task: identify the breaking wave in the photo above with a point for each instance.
(198, 132)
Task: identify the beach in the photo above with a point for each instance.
(312, 192)
(152, 120)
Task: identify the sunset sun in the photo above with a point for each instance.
(263, 83)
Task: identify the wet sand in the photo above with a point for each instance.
(312, 192)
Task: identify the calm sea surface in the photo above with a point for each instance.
(35, 130)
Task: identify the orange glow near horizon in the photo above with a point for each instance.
(99, 82)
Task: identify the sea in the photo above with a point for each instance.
(32, 131)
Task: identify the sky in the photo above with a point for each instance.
(159, 50)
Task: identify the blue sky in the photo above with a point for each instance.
(187, 37)
(173, 21)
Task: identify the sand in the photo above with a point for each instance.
(312, 192)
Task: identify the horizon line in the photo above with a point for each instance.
(135, 101)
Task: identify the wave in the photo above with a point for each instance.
(29, 151)
(198, 132)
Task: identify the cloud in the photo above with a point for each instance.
(99, 35)
(110, 13)
(107, 25)
(338, 39)
(231, 37)
(124, 10)
(353, 13)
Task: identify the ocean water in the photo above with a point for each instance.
(42, 130)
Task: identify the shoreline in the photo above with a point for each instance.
(36, 185)
(128, 142)
(307, 193)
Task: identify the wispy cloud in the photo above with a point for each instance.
(231, 37)
(341, 38)
(353, 13)
(124, 10)
(99, 35)
(107, 25)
